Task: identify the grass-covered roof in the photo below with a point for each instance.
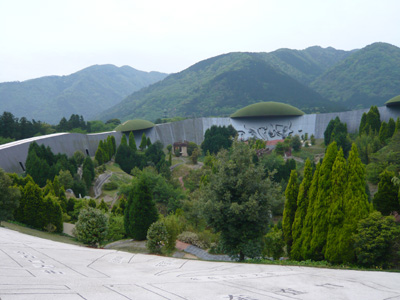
(266, 109)
(133, 125)
(395, 101)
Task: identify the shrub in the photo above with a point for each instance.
(274, 243)
(174, 227)
(91, 227)
(376, 241)
(191, 238)
(157, 236)
(116, 230)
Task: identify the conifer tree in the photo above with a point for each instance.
(143, 142)
(363, 122)
(304, 243)
(132, 142)
(141, 211)
(291, 193)
(373, 122)
(336, 212)
(386, 199)
(9, 197)
(301, 211)
(114, 145)
(383, 132)
(356, 205)
(123, 140)
(391, 127)
(397, 127)
(322, 203)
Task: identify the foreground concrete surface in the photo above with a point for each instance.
(34, 268)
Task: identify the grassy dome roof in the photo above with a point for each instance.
(395, 101)
(133, 125)
(266, 109)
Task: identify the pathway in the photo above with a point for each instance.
(99, 184)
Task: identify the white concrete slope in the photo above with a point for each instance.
(33, 268)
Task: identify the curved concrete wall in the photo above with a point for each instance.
(13, 155)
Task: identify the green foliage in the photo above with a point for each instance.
(191, 238)
(79, 157)
(141, 211)
(376, 241)
(274, 243)
(123, 140)
(217, 138)
(218, 87)
(336, 131)
(116, 229)
(237, 200)
(263, 109)
(91, 227)
(174, 225)
(191, 147)
(157, 236)
(301, 211)
(9, 197)
(109, 186)
(132, 142)
(143, 142)
(103, 206)
(155, 155)
(194, 156)
(291, 193)
(384, 132)
(128, 159)
(133, 125)
(92, 203)
(367, 145)
(88, 173)
(295, 143)
(386, 199)
(336, 210)
(312, 139)
(364, 78)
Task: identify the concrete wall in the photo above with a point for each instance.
(269, 128)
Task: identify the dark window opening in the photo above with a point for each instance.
(22, 166)
(87, 152)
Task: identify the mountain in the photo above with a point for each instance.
(369, 76)
(87, 92)
(305, 65)
(218, 87)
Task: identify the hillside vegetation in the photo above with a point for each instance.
(367, 77)
(218, 87)
(87, 92)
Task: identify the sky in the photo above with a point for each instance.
(58, 37)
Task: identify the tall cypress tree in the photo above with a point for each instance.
(301, 211)
(383, 132)
(291, 193)
(356, 206)
(373, 122)
(306, 233)
(322, 203)
(123, 140)
(141, 211)
(132, 142)
(363, 122)
(391, 127)
(143, 142)
(336, 210)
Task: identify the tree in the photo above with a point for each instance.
(386, 199)
(216, 138)
(141, 210)
(291, 193)
(132, 142)
(336, 210)
(236, 201)
(363, 121)
(91, 227)
(356, 205)
(375, 240)
(322, 202)
(143, 142)
(384, 132)
(301, 211)
(123, 140)
(157, 236)
(9, 197)
(295, 143)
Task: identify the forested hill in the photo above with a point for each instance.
(86, 92)
(370, 76)
(218, 87)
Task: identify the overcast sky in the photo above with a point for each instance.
(58, 37)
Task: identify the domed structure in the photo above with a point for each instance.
(134, 125)
(267, 109)
(395, 101)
